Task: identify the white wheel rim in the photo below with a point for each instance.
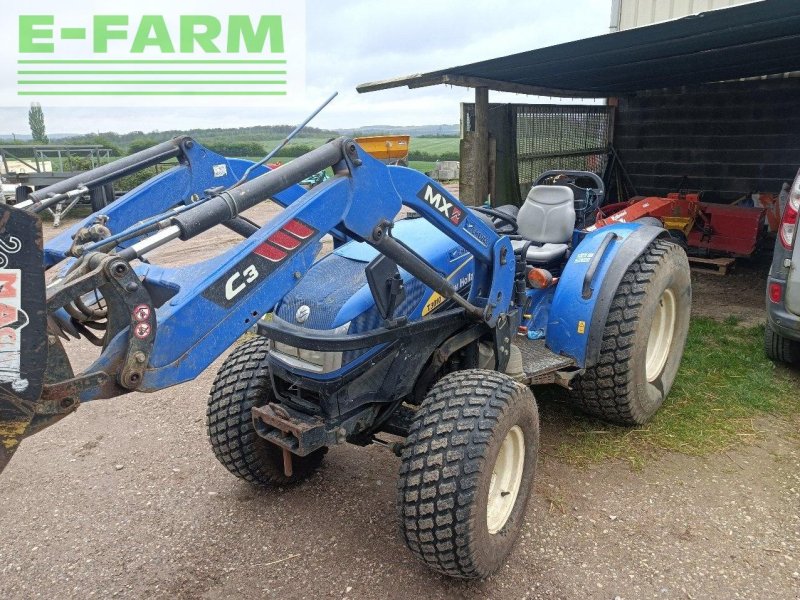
(506, 479)
(662, 330)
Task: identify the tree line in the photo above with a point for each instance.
(229, 141)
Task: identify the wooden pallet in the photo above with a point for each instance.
(715, 266)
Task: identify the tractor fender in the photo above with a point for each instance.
(587, 286)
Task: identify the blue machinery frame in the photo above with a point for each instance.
(167, 324)
(200, 319)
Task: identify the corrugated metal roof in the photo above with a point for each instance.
(638, 13)
(762, 38)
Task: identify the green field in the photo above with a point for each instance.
(271, 143)
(435, 145)
(259, 140)
(423, 166)
(433, 148)
(429, 149)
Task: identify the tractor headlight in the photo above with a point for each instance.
(310, 360)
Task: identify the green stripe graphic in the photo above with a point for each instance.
(146, 82)
(204, 72)
(176, 93)
(161, 68)
(150, 62)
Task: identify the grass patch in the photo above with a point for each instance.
(423, 166)
(435, 145)
(725, 381)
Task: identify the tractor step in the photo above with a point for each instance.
(400, 421)
(714, 266)
(540, 364)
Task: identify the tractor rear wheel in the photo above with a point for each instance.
(678, 237)
(643, 339)
(467, 472)
(243, 382)
(779, 348)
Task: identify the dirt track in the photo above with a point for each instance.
(125, 499)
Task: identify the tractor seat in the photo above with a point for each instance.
(547, 218)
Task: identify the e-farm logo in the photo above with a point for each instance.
(174, 51)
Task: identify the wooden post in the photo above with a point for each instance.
(480, 156)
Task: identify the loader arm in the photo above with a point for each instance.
(198, 170)
(165, 325)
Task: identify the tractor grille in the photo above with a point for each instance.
(324, 290)
(341, 277)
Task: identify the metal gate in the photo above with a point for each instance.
(545, 136)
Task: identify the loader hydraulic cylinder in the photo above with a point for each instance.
(229, 204)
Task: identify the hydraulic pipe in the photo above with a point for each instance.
(156, 240)
(54, 199)
(239, 225)
(286, 140)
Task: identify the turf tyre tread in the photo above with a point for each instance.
(607, 390)
(241, 383)
(442, 460)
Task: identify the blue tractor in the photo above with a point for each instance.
(423, 330)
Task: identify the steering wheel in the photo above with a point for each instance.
(568, 179)
(507, 220)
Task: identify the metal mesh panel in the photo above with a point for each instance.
(560, 137)
(555, 136)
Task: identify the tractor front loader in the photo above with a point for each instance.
(431, 328)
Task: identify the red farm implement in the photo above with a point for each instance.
(704, 228)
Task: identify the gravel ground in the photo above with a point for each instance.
(125, 499)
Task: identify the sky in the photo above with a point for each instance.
(355, 41)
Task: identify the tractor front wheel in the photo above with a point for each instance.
(643, 339)
(243, 382)
(467, 472)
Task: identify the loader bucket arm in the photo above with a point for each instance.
(197, 171)
(164, 325)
